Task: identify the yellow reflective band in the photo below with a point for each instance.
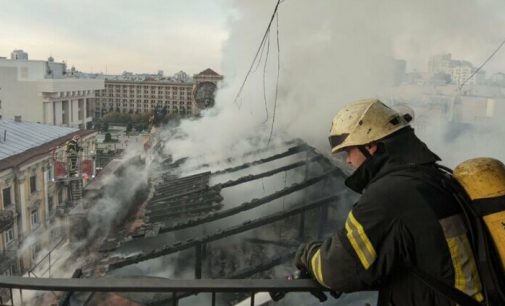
(356, 248)
(317, 268)
(360, 242)
(466, 276)
(472, 267)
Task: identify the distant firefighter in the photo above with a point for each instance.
(72, 149)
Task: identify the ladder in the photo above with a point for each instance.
(76, 190)
(75, 178)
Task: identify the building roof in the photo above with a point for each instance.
(17, 137)
(209, 71)
(22, 141)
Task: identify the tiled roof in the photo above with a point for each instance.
(209, 71)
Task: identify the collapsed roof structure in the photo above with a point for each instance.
(240, 221)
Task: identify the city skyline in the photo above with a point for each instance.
(116, 36)
(111, 36)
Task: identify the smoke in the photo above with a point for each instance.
(119, 195)
(331, 52)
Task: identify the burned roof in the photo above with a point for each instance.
(203, 212)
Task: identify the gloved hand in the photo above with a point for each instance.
(304, 254)
(301, 261)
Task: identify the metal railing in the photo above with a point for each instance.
(177, 288)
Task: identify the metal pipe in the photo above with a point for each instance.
(148, 284)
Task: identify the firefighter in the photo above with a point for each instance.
(405, 224)
(72, 149)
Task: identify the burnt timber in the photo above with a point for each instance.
(248, 225)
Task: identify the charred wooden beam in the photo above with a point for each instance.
(287, 244)
(169, 197)
(172, 214)
(249, 178)
(248, 205)
(183, 204)
(182, 184)
(248, 225)
(290, 151)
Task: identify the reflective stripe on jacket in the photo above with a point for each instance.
(401, 219)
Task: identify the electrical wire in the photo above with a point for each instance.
(264, 77)
(482, 65)
(277, 82)
(257, 53)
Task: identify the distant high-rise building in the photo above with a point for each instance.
(442, 66)
(439, 63)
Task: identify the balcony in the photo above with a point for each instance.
(6, 219)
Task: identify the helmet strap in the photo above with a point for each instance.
(365, 152)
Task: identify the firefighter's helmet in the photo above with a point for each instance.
(363, 122)
(405, 111)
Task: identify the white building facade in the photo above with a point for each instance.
(39, 91)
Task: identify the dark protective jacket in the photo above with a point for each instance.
(72, 147)
(404, 218)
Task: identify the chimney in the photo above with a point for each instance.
(17, 118)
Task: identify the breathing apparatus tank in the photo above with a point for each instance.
(484, 181)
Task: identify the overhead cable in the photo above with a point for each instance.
(263, 40)
(482, 65)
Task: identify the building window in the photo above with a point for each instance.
(50, 173)
(33, 183)
(9, 235)
(6, 195)
(35, 217)
(60, 196)
(50, 204)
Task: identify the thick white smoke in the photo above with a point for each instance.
(331, 52)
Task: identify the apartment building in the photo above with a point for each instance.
(128, 94)
(31, 200)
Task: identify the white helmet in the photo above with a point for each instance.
(362, 122)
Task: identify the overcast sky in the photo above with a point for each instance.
(132, 35)
(191, 35)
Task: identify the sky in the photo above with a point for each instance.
(171, 35)
(117, 35)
